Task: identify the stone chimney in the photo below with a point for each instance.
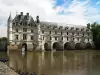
(27, 14)
(21, 13)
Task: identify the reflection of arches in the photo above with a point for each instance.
(56, 46)
(78, 46)
(46, 46)
(25, 46)
(88, 46)
(69, 46)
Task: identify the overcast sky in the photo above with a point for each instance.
(78, 12)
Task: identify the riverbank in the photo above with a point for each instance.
(5, 70)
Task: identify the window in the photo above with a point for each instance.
(24, 29)
(16, 36)
(21, 23)
(42, 31)
(67, 38)
(88, 34)
(25, 23)
(88, 39)
(55, 38)
(24, 36)
(61, 33)
(50, 32)
(43, 37)
(83, 34)
(72, 33)
(31, 30)
(16, 23)
(31, 37)
(62, 38)
(73, 38)
(16, 30)
(13, 23)
(50, 38)
(55, 32)
(67, 33)
(78, 33)
(78, 39)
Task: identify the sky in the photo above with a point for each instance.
(78, 12)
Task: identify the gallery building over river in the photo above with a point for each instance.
(23, 30)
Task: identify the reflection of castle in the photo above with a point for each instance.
(68, 63)
(39, 35)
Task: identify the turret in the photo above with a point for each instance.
(9, 28)
(9, 18)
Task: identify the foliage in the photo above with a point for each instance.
(95, 29)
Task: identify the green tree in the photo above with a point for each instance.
(95, 29)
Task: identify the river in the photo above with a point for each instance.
(84, 62)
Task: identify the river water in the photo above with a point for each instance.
(56, 63)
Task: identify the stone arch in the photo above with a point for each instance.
(80, 46)
(25, 46)
(69, 46)
(88, 45)
(56, 46)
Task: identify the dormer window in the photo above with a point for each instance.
(66, 28)
(77, 29)
(72, 28)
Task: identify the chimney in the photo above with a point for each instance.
(21, 13)
(27, 14)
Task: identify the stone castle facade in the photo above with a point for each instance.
(40, 35)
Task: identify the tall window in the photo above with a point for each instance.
(55, 38)
(78, 39)
(50, 38)
(78, 33)
(16, 30)
(32, 37)
(55, 32)
(73, 38)
(67, 33)
(67, 38)
(31, 30)
(24, 36)
(83, 34)
(72, 33)
(43, 37)
(88, 39)
(16, 37)
(62, 38)
(61, 33)
(24, 29)
(88, 34)
(50, 32)
(42, 31)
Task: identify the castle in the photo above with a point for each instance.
(41, 35)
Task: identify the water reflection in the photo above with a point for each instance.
(57, 63)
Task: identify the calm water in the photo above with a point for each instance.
(56, 63)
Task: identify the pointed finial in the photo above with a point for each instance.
(9, 19)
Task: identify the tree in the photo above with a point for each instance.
(95, 29)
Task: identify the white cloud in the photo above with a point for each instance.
(98, 3)
(82, 12)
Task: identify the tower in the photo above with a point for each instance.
(9, 28)
(38, 33)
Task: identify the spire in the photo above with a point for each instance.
(10, 18)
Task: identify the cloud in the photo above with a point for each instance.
(98, 3)
(70, 11)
